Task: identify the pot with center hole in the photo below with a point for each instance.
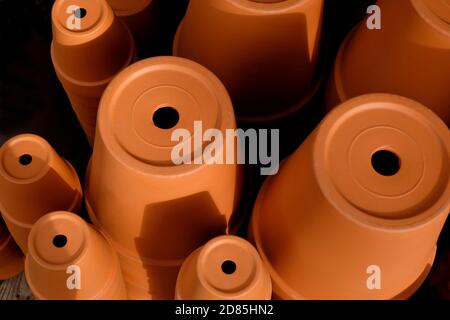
(34, 180)
(90, 46)
(226, 268)
(356, 211)
(70, 260)
(155, 210)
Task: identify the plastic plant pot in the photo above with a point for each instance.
(155, 210)
(268, 69)
(358, 208)
(11, 258)
(414, 35)
(34, 180)
(226, 268)
(90, 46)
(70, 260)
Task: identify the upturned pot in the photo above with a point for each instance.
(70, 260)
(268, 69)
(409, 56)
(34, 180)
(11, 258)
(142, 18)
(358, 208)
(226, 268)
(156, 204)
(90, 46)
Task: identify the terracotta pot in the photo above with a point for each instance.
(372, 61)
(369, 188)
(86, 56)
(141, 17)
(11, 258)
(250, 46)
(70, 260)
(34, 180)
(156, 212)
(226, 268)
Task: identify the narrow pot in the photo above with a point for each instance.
(268, 69)
(156, 210)
(11, 258)
(69, 260)
(358, 208)
(90, 46)
(409, 56)
(34, 180)
(226, 268)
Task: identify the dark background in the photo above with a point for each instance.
(32, 100)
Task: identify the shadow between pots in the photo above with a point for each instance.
(171, 230)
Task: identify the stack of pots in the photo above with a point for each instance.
(368, 192)
(408, 56)
(69, 260)
(90, 46)
(155, 210)
(34, 180)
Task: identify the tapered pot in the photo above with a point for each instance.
(268, 69)
(11, 258)
(70, 260)
(34, 180)
(358, 208)
(226, 268)
(409, 56)
(90, 46)
(156, 202)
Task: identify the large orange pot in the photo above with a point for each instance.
(90, 46)
(157, 212)
(226, 268)
(409, 56)
(11, 258)
(34, 180)
(356, 211)
(70, 260)
(268, 68)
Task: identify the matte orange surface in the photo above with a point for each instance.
(329, 214)
(34, 180)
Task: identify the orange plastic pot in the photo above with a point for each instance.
(69, 260)
(157, 212)
(356, 211)
(90, 46)
(409, 56)
(226, 268)
(34, 180)
(250, 45)
(11, 258)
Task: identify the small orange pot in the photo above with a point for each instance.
(250, 46)
(34, 180)
(368, 192)
(226, 268)
(157, 212)
(11, 258)
(372, 61)
(90, 46)
(70, 260)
